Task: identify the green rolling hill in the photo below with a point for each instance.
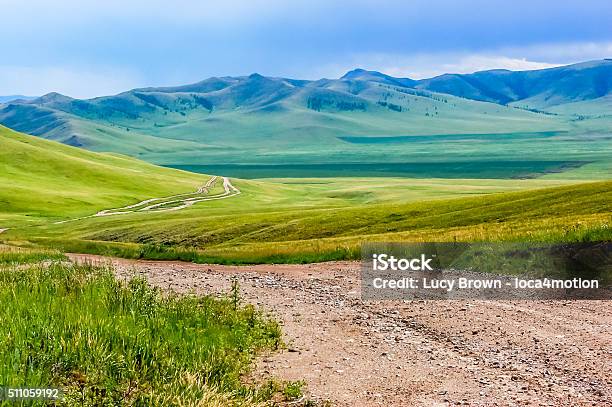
(44, 180)
(269, 221)
(266, 123)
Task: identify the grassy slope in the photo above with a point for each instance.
(57, 125)
(278, 226)
(274, 220)
(47, 180)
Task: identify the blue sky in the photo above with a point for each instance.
(87, 49)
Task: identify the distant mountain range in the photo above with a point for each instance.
(218, 119)
(541, 89)
(10, 98)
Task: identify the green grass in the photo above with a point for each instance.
(254, 228)
(11, 255)
(47, 180)
(110, 342)
(274, 220)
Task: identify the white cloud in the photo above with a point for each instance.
(427, 66)
(475, 63)
(565, 52)
(74, 82)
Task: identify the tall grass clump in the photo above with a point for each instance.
(110, 342)
(17, 255)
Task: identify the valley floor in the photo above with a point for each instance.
(356, 353)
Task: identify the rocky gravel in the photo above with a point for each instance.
(410, 353)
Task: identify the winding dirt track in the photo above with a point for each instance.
(176, 202)
(169, 203)
(421, 353)
(173, 203)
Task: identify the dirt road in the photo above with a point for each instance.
(167, 204)
(421, 353)
(175, 202)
